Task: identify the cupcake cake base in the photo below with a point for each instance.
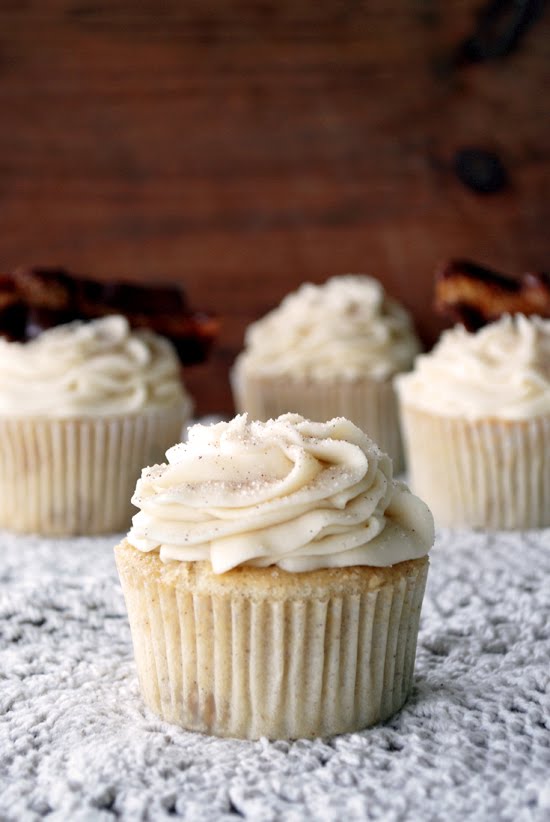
(480, 473)
(76, 476)
(261, 652)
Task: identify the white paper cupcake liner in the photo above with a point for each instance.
(243, 665)
(482, 474)
(76, 476)
(370, 404)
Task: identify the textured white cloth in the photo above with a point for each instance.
(76, 742)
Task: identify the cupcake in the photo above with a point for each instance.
(274, 577)
(82, 407)
(476, 422)
(327, 351)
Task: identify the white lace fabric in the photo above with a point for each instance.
(473, 742)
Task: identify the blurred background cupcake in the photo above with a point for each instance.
(82, 407)
(476, 423)
(329, 351)
(85, 399)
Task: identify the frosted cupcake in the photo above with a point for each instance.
(326, 351)
(476, 422)
(82, 407)
(274, 578)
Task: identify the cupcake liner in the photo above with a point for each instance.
(482, 473)
(370, 404)
(76, 476)
(258, 660)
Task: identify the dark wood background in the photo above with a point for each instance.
(243, 147)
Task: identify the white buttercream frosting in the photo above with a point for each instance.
(88, 368)
(347, 327)
(288, 492)
(501, 371)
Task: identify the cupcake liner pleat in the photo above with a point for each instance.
(76, 476)
(480, 473)
(370, 404)
(231, 665)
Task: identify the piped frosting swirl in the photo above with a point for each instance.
(347, 327)
(286, 492)
(86, 368)
(501, 372)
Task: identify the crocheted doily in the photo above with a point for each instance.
(473, 742)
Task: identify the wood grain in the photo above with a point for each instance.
(243, 147)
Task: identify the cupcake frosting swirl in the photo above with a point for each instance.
(289, 492)
(88, 368)
(501, 372)
(347, 327)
